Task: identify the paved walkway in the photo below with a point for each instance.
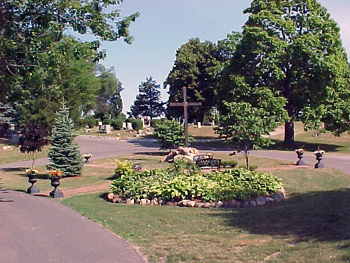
(40, 230)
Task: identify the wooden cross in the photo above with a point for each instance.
(185, 104)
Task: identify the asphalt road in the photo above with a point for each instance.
(37, 229)
(103, 147)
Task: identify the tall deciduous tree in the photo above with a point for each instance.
(148, 102)
(32, 43)
(109, 101)
(294, 49)
(193, 69)
(64, 152)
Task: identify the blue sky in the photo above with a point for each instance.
(165, 25)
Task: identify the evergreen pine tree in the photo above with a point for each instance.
(64, 152)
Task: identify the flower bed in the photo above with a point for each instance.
(184, 182)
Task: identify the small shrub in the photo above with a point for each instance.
(251, 167)
(229, 164)
(155, 122)
(170, 133)
(136, 123)
(90, 121)
(117, 124)
(124, 167)
(107, 122)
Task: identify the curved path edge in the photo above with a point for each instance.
(39, 229)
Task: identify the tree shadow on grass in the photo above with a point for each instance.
(321, 216)
(16, 169)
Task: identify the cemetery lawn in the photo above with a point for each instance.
(312, 225)
(13, 154)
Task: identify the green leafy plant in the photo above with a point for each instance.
(185, 181)
(169, 134)
(229, 164)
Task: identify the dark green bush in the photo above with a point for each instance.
(136, 123)
(90, 121)
(117, 124)
(155, 122)
(107, 122)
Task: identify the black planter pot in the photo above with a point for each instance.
(300, 156)
(32, 189)
(319, 158)
(56, 193)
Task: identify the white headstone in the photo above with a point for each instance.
(129, 126)
(199, 124)
(124, 126)
(107, 129)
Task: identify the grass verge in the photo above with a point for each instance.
(312, 225)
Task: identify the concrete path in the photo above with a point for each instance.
(40, 230)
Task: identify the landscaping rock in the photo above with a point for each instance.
(269, 200)
(282, 192)
(154, 202)
(199, 204)
(278, 197)
(252, 203)
(219, 204)
(190, 203)
(206, 205)
(238, 204)
(130, 201)
(245, 205)
(110, 196)
(260, 201)
(232, 204)
(143, 201)
(116, 199)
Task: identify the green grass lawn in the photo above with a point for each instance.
(312, 225)
(16, 179)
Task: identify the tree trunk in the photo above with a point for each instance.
(289, 133)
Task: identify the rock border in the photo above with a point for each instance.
(254, 202)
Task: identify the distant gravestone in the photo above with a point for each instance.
(199, 125)
(15, 139)
(129, 126)
(107, 128)
(100, 126)
(124, 126)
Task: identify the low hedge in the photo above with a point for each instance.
(185, 181)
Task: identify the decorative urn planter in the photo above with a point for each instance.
(87, 157)
(55, 176)
(319, 156)
(300, 154)
(32, 179)
(55, 182)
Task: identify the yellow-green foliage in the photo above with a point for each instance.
(123, 167)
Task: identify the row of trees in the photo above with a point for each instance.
(288, 63)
